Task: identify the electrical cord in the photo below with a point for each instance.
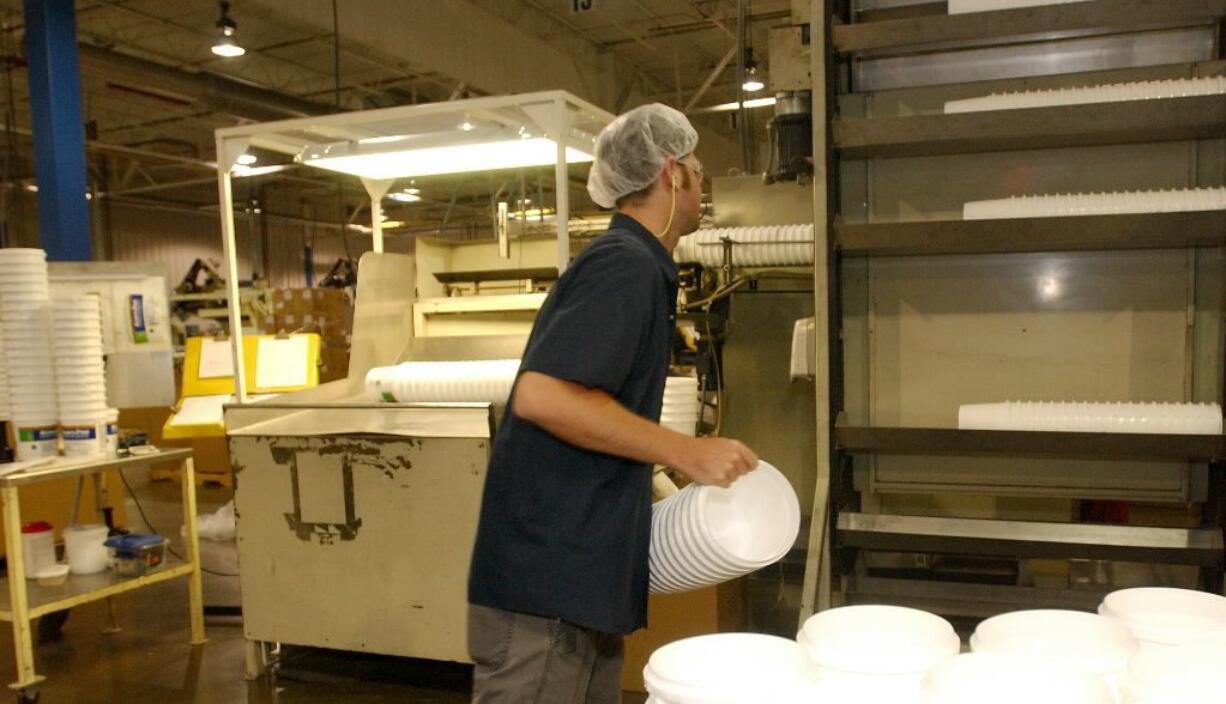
(141, 510)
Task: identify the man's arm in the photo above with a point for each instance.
(594, 420)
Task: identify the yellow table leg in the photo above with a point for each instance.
(23, 645)
(195, 589)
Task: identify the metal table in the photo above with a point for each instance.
(27, 601)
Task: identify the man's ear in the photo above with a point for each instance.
(668, 175)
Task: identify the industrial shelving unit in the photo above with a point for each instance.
(846, 530)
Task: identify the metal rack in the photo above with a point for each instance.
(838, 534)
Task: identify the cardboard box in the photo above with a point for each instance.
(671, 617)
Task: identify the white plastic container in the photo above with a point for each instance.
(730, 668)
(1161, 617)
(876, 653)
(37, 547)
(85, 551)
(979, 678)
(1182, 675)
(36, 438)
(1099, 645)
(112, 431)
(705, 535)
(83, 438)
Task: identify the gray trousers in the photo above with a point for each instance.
(522, 659)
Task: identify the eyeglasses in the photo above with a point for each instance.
(693, 165)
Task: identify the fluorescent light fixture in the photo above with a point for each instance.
(442, 153)
(749, 104)
(246, 159)
(240, 171)
(532, 214)
(404, 196)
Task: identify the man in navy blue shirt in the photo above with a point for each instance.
(559, 569)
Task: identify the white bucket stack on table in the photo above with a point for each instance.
(681, 405)
(1061, 416)
(730, 668)
(475, 381)
(705, 535)
(1082, 204)
(875, 653)
(1083, 95)
(25, 328)
(979, 678)
(1093, 643)
(80, 373)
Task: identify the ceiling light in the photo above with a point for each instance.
(246, 159)
(442, 153)
(226, 45)
(752, 83)
(405, 196)
(467, 126)
(532, 214)
(725, 107)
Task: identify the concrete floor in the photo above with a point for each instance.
(150, 660)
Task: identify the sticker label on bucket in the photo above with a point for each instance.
(80, 432)
(36, 434)
(136, 310)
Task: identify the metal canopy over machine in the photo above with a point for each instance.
(380, 146)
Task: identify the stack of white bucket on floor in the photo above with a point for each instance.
(681, 405)
(1146, 646)
(705, 535)
(80, 374)
(25, 328)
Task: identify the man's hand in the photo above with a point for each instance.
(717, 461)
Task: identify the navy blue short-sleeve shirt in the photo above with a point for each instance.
(564, 531)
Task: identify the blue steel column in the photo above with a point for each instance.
(59, 140)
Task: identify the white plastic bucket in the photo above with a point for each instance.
(112, 431)
(1179, 675)
(1162, 617)
(1096, 644)
(705, 535)
(36, 439)
(879, 653)
(84, 548)
(979, 678)
(730, 668)
(83, 439)
(37, 547)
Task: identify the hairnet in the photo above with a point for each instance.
(631, 151)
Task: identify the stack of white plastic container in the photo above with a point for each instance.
(1114, 92)
(443, 382)
(6, 412)
(681, 405)
(1081, 204)
(705, 535)
(958, 7)
(766, 245)
(80, 374)
(1146, 646)
(25, 327)
(1061, 416)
